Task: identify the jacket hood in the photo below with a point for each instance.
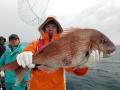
(41, 28)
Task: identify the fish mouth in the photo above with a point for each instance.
(108, 55)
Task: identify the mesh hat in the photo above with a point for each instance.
(13, 37)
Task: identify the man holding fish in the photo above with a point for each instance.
(57, 51)
(40, 78)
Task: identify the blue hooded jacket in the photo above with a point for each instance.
(10, 56)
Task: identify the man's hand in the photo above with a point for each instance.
(93, 59)
(25, 59)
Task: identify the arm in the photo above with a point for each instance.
(25, 58)
(31, 47)
(78, 71)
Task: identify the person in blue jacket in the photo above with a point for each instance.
(13, 49)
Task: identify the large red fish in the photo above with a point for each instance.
(71, 49)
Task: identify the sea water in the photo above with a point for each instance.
(105, 76)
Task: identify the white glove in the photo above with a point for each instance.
(2, 73)
(25, 59)
(93, 59)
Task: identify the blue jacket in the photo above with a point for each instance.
(10, 56)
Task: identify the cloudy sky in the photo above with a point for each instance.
(99, 14)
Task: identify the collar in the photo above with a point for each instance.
(45, 37)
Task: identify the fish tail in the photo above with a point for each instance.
(10, 66)
(19, 71)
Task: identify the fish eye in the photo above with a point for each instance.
(103, 40)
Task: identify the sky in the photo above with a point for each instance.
(102, 15)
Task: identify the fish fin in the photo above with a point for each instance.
(82, 62)
(75, 68)
(10, 66)
(78, 66)
(19, 73)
